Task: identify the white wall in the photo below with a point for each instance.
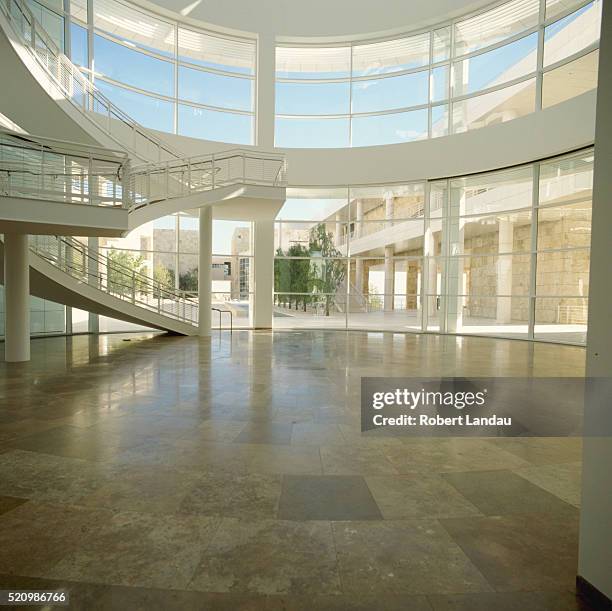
(528, 138)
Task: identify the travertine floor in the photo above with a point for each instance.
(230, 473)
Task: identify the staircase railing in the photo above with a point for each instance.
(56, 170)
(149, 183)
(79, 90)
(103, 273)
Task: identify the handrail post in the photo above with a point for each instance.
(133, 286)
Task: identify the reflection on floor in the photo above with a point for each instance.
(230, 473)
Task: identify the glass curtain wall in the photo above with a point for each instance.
(489, 68)
(503, 253)
(167, 249)
(167, 76)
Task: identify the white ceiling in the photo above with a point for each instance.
(316, 19)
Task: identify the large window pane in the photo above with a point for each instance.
(215, 125)
(215, 89)
(125, 65)
(312, 133)
(491, 192)
(313, 62)
(495, 67)
(389, 128)
(567, 180)
(136, 27)
(147, 110)
(391, 92)
(305, 204)
(495, 107)
(439, 121)
(563, 273)
(392, 202)
(565, 226)
(216, 52)
(391, 55)
(495, 25)
(570, 80)
(78, 45)
(312, 98)
(441, 44)
(561, 319)
(52, 22)
(439, 83)
(572, 33)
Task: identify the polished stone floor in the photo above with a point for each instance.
(152, 472)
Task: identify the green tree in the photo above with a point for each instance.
(299, 272)
(282, 277)
(189, 280)
(329, 273)
(125, 270)
(163, 278)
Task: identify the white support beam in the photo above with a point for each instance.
(17, 298)
(205, 270)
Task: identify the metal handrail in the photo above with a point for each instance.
(55, 170)
(97, 270)
(231, 315)
(75, 87)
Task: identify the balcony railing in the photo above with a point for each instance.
(149, 183)
(55, 170)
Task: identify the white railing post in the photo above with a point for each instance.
(133, 286)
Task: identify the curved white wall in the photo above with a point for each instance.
(528, 138)
(315, 19)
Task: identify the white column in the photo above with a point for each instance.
(260, 312)
(389, 207)
(595, 557)
(266, 69)
(389, 279)
(453, 245)
(93, 320)
(16, 298)
(205, 270)
(359, 277)
(338, 230)
(358, 218)
(504, 271)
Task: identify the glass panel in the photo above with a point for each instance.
(439, 121)
(389, 128)
(50, 21)
(312, 133)
(572, 33)
(570, 80)
(215, 125)
(501, 233)
(404, 236)
(391, 92)
(391, 55)
(492, 192)
(497, 315)
(216, 52)
(139, 28)
(313, 62)
(556, 7)
(390, 202)
(495, 107)
(315, 204)
(293, 238)
(125, 65)
(439, 83)
(78, 45)
(567, 180)
(565, 226)
(78, 10)
(561, 319)
(148, 111)
(495, 67)
(312, 98)
(495, 25)
(215, 89)
(441, 44)
(563, 273)
(231, 238)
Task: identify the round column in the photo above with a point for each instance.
(16, 298)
